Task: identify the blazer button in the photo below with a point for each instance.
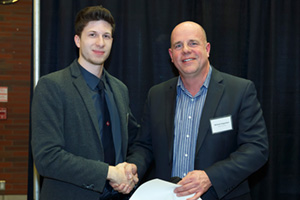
(91, 186)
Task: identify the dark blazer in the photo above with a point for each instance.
(228, 157)
(66, 140)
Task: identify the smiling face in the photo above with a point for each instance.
(189, 50)
(94, 44)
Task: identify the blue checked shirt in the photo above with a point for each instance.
(187, 119)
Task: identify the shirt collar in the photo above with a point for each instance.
(180, 86)
(92, 80)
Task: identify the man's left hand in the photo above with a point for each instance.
(196, 182)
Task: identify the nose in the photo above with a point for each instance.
(186, 48)
(100, 41)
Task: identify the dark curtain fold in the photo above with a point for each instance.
(254, 39)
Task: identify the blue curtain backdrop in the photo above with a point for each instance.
(254, 39)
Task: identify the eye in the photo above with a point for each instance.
(193, 43)
(107, 36)
(178, 46)
(92, 34)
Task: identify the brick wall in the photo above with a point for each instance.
(15, 68)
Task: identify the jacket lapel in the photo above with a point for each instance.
(170, 102)
(214, 94)
(83, 91)
(121, 109)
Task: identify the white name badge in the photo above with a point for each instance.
(221, 124)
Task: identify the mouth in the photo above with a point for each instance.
(98, 52)
(188, 59)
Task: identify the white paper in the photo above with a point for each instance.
(157, 189)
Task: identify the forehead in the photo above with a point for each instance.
(186, 32)
(98, 26)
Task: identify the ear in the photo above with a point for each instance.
(170, 53)
(77, 40)
(207, 48)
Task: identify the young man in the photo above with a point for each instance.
(82, 125)
(204, 126)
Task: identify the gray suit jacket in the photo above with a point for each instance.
(66, 140)
(228, 157)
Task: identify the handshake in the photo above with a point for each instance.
(123, 177)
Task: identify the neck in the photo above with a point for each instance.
(97, 70)
(194, 83)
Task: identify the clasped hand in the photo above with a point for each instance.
(123, 177)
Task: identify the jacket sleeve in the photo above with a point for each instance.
(51, 145)
(140, 153)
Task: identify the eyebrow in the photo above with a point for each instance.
(177, 43)
(94, 31)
